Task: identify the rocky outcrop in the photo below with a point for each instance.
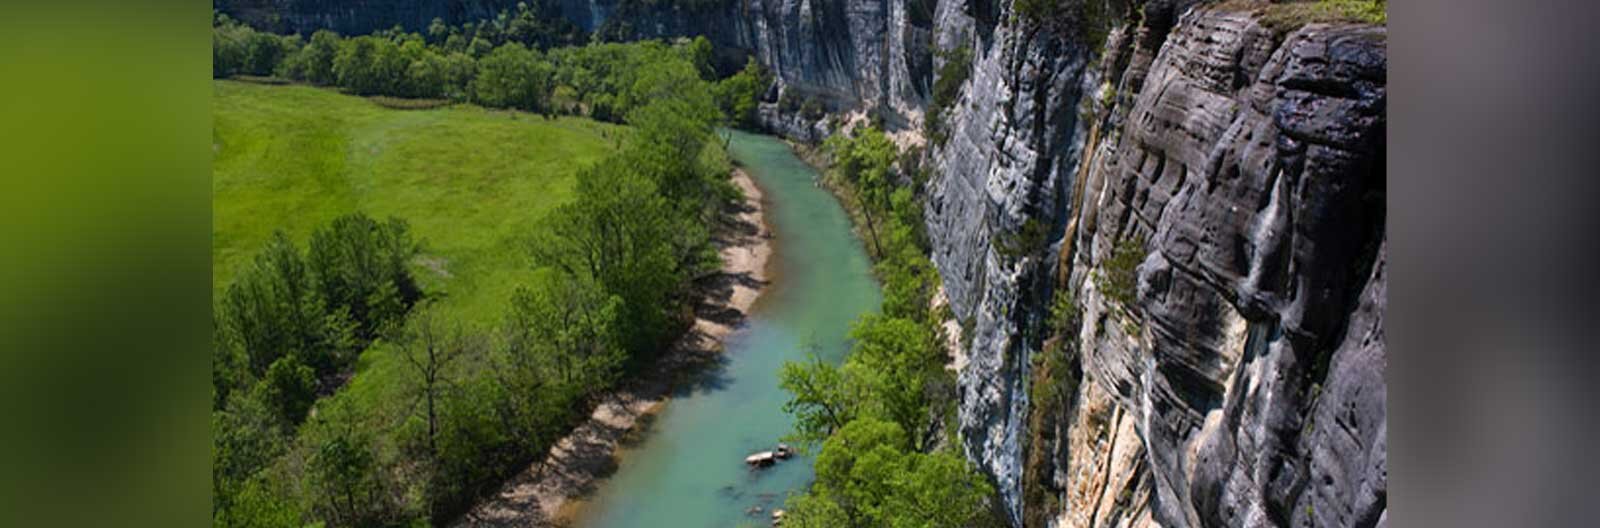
(1251, 362)
(1243, 386)
(1004, 166)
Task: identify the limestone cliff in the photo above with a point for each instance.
(1244, 384)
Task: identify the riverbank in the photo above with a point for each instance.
(548, 492)
(954, 334)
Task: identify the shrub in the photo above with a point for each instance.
(812, 109)
(1289, 16)
(1031, 237)
(1117, 277)
(946, 88)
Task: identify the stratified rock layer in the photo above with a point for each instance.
(1250, 364)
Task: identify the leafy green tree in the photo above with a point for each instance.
(866, 478)
(898, 362)
(314, 62)
(263, 52)
(455, 43)
(1117, 276)
(258, 504)
(908, 281)
(480, 47)
(938, 490)
(699, 54)
(459, 71)
(865, 160)
(289, 387)
(821, 400)
(619, 232)
(567, 328)
(271, 310)
(438, 31)
(245, 436)
(670, 137)
(428, 76)
(947, 86)
(513, 77)
(739, 95)
(356, 261)
(473, 447)
(369, 65)
(229, 48)
(342, 472)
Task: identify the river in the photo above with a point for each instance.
(689, 470)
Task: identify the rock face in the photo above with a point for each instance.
(1250, 364)
(1009, 153)
(846, 54)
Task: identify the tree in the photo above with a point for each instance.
(865, 159)
(370, 65)
(361, 266)
(619, 233)
(257, 504)
(898, 362)
(263, 52)
(428, 75)
(438, 31)
(866, 478)
(820, 399)
(460, 70)
(566, 327)
(1117, 276)
(353, 65)
(342, 471)
(947, 86)
(314, 62)
(856, 469)
(271, 310)
(909, 279)
(245, 436)
(740, 94)
(289, 387)
(938, 490)
(512, 76)
(429, 348)
(698, 52)
(229, 49)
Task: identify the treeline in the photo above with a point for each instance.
(288, 329)
(883, 420)
(481, 401)
(508, 62)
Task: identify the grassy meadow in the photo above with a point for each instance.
(472, 183)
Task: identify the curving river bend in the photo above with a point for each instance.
(689, 471)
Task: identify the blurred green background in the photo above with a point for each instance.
(105, 320)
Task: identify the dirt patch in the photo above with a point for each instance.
(437, 265)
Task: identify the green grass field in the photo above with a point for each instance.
(472, 182)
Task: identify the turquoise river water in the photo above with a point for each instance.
(689, 470)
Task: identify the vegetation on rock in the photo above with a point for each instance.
(946, 89)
